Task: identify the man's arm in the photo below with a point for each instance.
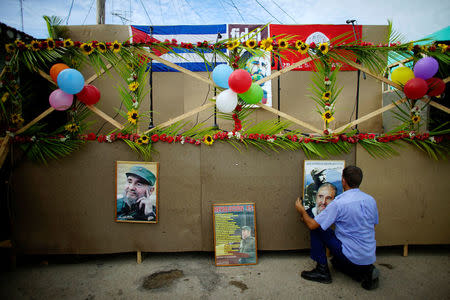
(310, 222)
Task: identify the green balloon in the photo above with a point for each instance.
(253, 95)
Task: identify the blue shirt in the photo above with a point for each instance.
(354, 214)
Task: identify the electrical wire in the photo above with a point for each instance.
(160, 11)
(285, 12)
(268, 12)
(70, 12)
(238, 11)
(92, 4)
(200, 18)
(145, 12)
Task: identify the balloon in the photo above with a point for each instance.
(254, 94)
(436, 86)
(226, 101)
(70, 81)
(55, 69)
(401, 75)
(89, 95)
(426, 67)
(220, 75)
(240, 81)
(60, 100)
(415, 88)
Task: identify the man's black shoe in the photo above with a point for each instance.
(320, 273)
(370, 282)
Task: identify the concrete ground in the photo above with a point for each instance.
(424, 274)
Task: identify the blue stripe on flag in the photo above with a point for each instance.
(184, 29)
(195, 67)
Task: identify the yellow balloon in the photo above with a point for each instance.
(402, 75)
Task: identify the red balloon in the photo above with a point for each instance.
(415, 88)
(240, 81)
(436, 86)
(89, 95)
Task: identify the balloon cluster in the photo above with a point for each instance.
(235, 82)
(70, 82)
(420, 82)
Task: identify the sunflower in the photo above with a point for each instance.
(232, 45)
(251, 43)
(323, 47)
(34, 45)
(266, 44)
(16, 119)
(303, 48)
(208, 140)
(326, 96)
(283, 44)
(10, 48)
(102, 47)
(298, 44)
(133, 86)
(87, 48)
(133, 116)
(415, 119)
(327, 116)
(116, 46)
(72, 127)
(68, 43)
(130, 65)
(51, 44)
(139, 141)
(145, 139)
(5, 97)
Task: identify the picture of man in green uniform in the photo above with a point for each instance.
(311, 190)
(247, 246)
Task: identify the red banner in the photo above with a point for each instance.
(312, 33)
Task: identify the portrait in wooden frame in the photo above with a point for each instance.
(235, 239)
(323, 175)
(137, 191)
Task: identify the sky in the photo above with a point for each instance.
(414, 19)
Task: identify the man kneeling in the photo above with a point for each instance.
(352, 243)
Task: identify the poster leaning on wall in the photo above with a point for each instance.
(137, 191)
(321, 184)
(235, 234)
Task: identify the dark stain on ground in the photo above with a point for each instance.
(239, 284)
(389, 266)
(161, 279)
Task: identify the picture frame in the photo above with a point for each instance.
(315, 174)
(137, 189)
(235, 237)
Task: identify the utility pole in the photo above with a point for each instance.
(101, 11)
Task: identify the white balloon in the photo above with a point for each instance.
(226, 101)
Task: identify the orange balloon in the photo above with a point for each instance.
(55, 69)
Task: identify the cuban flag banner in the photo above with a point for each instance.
(182, 33)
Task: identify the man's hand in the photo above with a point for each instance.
(299, 206)
(310, 222)
(146, 203)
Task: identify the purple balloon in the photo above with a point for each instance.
(426, 67)
(60, 100)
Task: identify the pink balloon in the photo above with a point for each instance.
(60, 100)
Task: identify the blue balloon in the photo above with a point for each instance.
(70, 81)
(220, 75)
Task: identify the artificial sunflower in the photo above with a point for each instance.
(68, 43)
(51, 44)
(303, 48)
(326, 96)
(16, 119)
(87, 48)
(133, 86)
(102, 47)
(139, 141)
(251, 43)
(145, 139)
(232, 45)
(72, 127)
(208, 140)
(323, 47)
(266, 44)
(415, 119)
(116, 46)
(283, 44)
(133, 116)
(34, 45)
(10, 48)
(5, 97)
(327, 116)
(298, 44)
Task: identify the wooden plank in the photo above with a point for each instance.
(290, 118)
(371, 115)
(95, 76)
(46, 76)
(400, 62)
(405, 250)
(4, 149)
(139, 257)
(183, 116)
(176, 67)
(447, 79)
(35, 120)
(107, 118)
(285, 70)
(440, 106)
